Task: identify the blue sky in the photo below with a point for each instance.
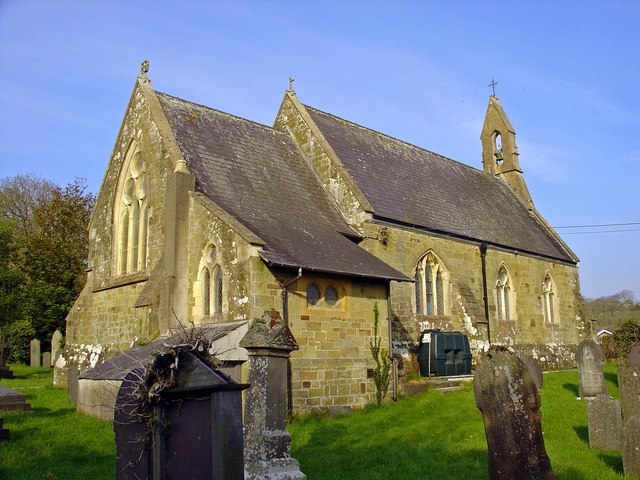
(568, 78)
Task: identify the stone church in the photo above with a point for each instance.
(207, 218)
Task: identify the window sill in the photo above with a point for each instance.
(124, 280)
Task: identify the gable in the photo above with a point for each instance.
(256, 174)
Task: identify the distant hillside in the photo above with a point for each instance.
(611, 310)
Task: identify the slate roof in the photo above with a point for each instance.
(256, 174)
(408, 185)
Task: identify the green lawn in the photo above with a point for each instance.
(433, 435)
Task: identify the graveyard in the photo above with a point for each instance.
(433, 434)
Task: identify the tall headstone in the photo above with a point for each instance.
(35, 353)
(631, 446)
(629, 383)
(56, 346)
(508, 397)
(269, 342)
(605, 422)
(589, 357)
(46, 359)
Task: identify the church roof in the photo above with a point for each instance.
(256, 174)
(410, 186)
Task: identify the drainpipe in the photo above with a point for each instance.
(483, 256)
(394, 365)
(285, 317)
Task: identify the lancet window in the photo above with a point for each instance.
(431, 280)
(503, 295)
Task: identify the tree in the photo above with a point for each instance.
(43, 251)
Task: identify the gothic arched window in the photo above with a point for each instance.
(132, 214)
(431, 281)
(549, 300)
(211, 282)
(503, 295)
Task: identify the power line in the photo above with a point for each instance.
(600, 231)
(602, 225)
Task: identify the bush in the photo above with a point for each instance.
(627, 335)
(19, 335)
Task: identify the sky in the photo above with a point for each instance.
(567, 76)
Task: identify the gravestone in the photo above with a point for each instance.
(11, 401)
(534, 368)
(191, 428)
(269, 342)
(589, 357)
(72, 384)
(4, 432)
(634, 355)
(56, 346)
(35, 353)
(507, 395)
(46, 359)
(605, 423)
(629, 384)
(5, 372)
(631, 447)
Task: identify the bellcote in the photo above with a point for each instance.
(500, 155)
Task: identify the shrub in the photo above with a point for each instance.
(19, 335)
(381, 374)
(627, 335)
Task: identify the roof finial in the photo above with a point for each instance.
(291, 80)
(493, 87)
(144, 68)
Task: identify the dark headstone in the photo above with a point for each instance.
(192, 430)
(605, 423)
(10, 400)
(589, 357)
(508, 397)
(4, 432)
(631, 447)
(269, 343)
(629, 384)
(36, 361)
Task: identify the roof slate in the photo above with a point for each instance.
(409, 185)
(256, 174)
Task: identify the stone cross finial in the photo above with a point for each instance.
(144, 68)
(291, 80)
(493, 87)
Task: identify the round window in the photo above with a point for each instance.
(137, 165)
(331, 296)
(313, 294)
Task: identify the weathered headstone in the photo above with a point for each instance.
(5, 372)
(534, 368)
(629, 384)
(508, 397)
(35, 353)
(46, 359)
(589, 357)
(56, 346)
(72, 384)
(605, 422)
(631, 447)
(634, 355)
(269, 342)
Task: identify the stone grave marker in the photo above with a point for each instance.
(11, 401)
(35, 353)
(269, 342)
(46, 359)
(56, 346)
(534, 367)
(631, 446)
(605, 422)
(5, 372)
(629, 384)
(589, 357)
(72, 384)
(507, 395)
(634, 355)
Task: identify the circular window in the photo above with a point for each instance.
(137, 165)
(129, 189)
(331, 296)
(313, 294)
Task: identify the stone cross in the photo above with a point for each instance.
(56, 346)
(508, 397)
(35, 353)
(269, 343)
(589, 357)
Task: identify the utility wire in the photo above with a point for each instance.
(601, 231)
(601, 225)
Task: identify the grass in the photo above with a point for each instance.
(433, 435)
